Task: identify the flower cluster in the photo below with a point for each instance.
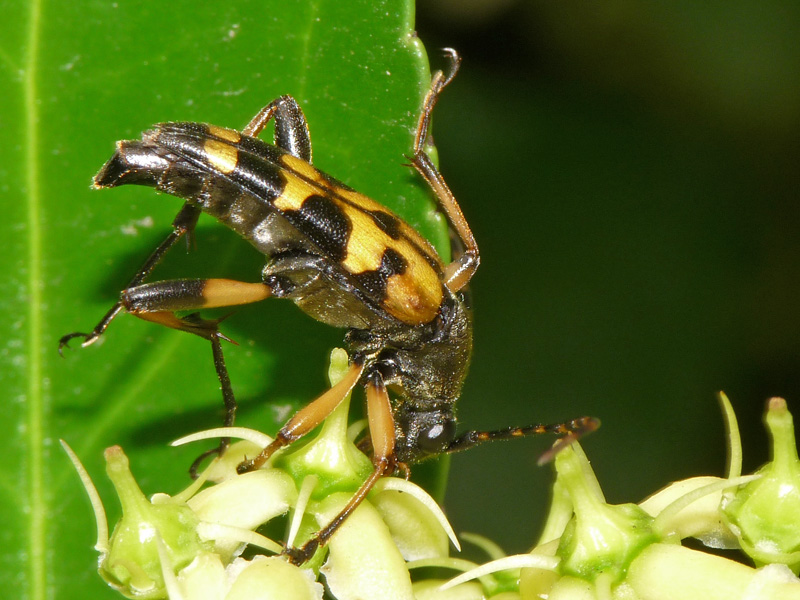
(205, 542)
(594, 550)
(192, 546)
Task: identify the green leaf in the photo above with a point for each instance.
(78, 76)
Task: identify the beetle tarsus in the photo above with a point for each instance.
(66, 339)
(298, 556)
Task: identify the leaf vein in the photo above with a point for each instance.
(35, 397)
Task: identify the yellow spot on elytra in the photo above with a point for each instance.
(222, 156)
(406, 231)
(413, 297)
(301, 167)
(295, 192)
(231, 135)
(413, 301)
(366, 244)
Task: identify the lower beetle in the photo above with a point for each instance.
(343, 258)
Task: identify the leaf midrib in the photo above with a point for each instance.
(35, 400)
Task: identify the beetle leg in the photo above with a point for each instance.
(205, 328)
(460, 271)
(227, 398)
(291, 129)
(307, 418)
(189, 294)
(381, 429)
(569, 432)
(183, 224)
(155, 302)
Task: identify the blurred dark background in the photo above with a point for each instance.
(630, 172)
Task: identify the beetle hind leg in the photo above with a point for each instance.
(157, 301)
(183, 225)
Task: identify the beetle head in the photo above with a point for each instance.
(422, 434)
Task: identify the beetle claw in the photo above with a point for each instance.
(65, 340)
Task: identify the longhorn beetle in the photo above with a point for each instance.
(343, 258)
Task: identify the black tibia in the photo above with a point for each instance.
(227, 397)
(206, 329)
(183, 224)
(291, 129)
(298, 556)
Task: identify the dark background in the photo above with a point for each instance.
(630, 173)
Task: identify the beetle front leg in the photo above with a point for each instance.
(306, 419)
(382, 434)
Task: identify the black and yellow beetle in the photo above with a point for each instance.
(341, 257)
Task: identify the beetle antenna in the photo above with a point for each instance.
(568, 432)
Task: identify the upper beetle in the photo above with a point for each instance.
(343, 258)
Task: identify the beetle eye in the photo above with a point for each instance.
(435, 437)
